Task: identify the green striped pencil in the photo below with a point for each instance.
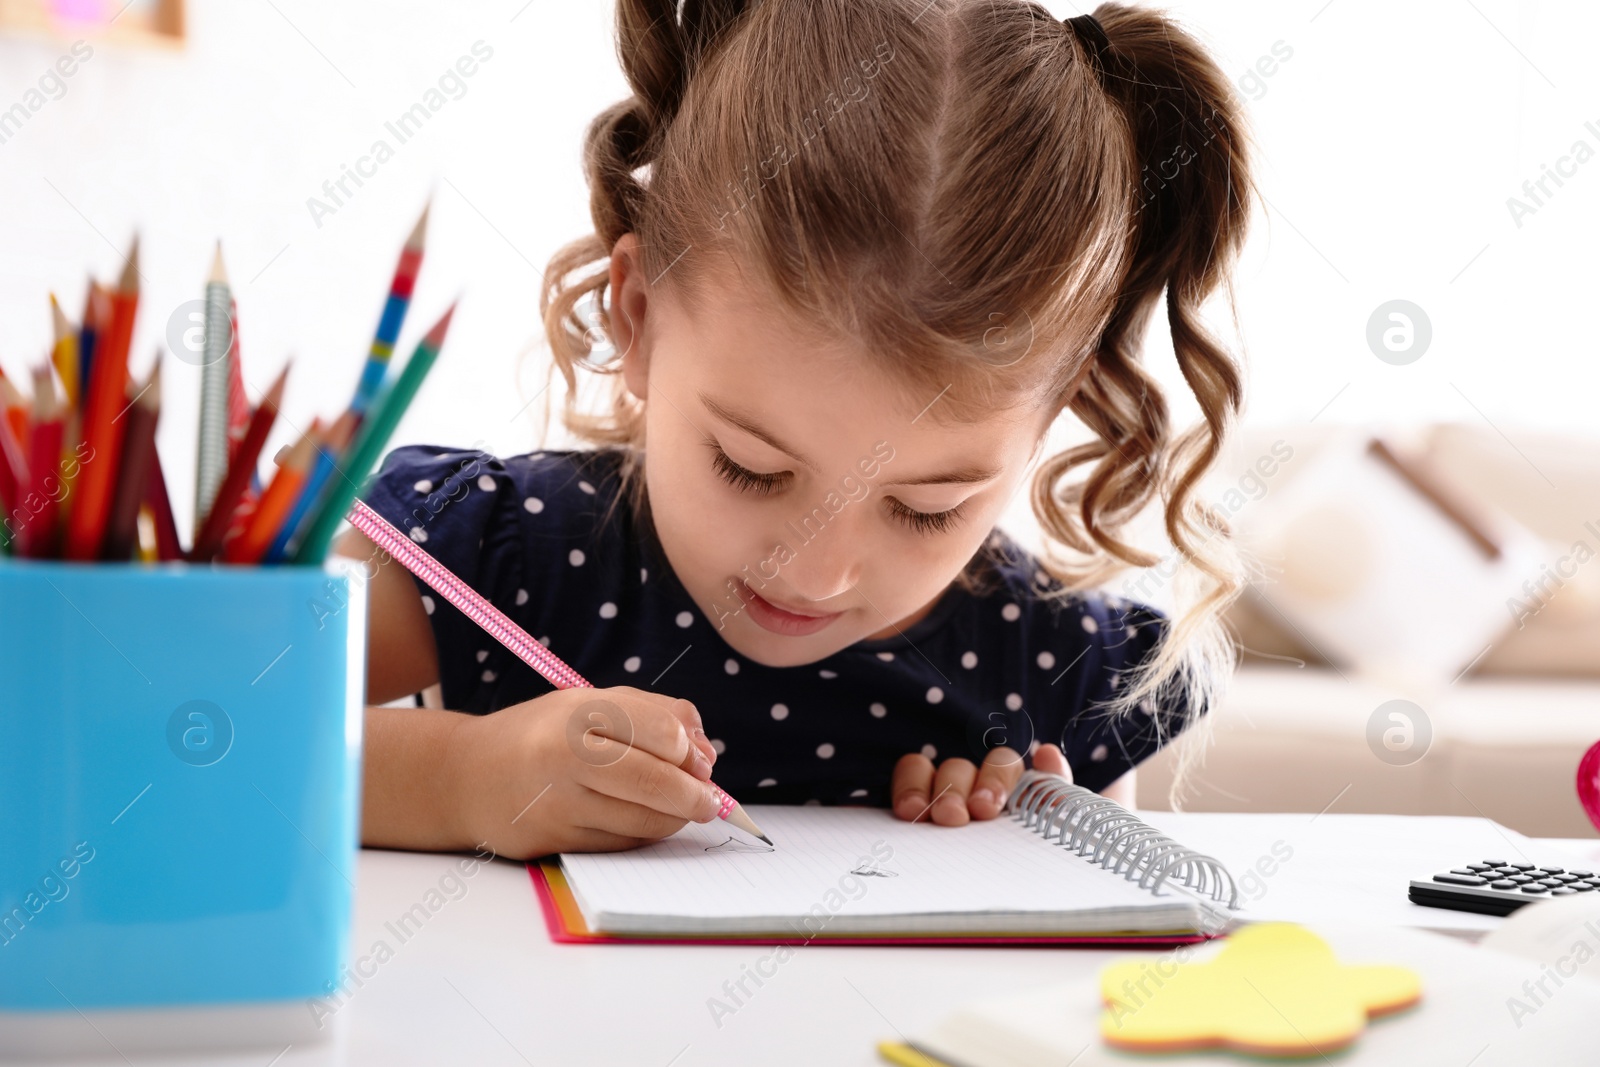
(375, 431)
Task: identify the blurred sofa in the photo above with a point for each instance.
(1293, 734)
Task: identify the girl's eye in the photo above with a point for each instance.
(924, 522)
(746, 480)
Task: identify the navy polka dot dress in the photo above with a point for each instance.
(552, 542)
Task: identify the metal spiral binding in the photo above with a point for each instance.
(1106, 833)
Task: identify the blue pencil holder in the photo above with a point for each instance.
(179, 787)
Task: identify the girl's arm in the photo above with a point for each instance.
(439, 780)
(1123, 791)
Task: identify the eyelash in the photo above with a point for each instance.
(922, 522)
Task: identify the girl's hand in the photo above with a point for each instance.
(580, 770)
(958, 792)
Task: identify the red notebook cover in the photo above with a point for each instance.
(564, 921)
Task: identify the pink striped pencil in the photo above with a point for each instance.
(499, 626)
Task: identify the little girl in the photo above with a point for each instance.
(852, 260)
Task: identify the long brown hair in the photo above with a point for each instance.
(991, 200)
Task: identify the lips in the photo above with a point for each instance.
(786, 621)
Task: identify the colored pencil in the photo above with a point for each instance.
(329, 449)
(394, 314)
(38, 534)
(168, 546)
(103, 426)
(13, 476)
(139, 444)
(211, 461)
(95, 312)
(14, 408)
(369, 444)
(65, 352)
(209, 539)
(273, 507)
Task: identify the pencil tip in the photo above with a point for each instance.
(219, 273)
(130, 273)
(436, 335)
(419, 232)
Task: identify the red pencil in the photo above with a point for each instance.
(270, 511)
(44, 463)
(156, 498)
(139, 444)
(209, 539)
(103, 425)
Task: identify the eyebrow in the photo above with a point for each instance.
(960, 476)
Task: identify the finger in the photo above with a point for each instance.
(908, 787)
(682, 710)
(626, 819)
(643, 779)
(950, 788)
(1000, 771)
(601, 729)
(1051, 760)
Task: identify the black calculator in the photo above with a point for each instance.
(1495, 887)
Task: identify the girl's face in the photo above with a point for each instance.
(803, 499)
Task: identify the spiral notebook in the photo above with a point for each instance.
(1060, 865)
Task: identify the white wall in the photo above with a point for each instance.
(1390, 141)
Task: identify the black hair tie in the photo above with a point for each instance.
(1093, 37)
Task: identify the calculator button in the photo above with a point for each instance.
(1462, 870)
(1582, 874)
(1552, 883)
(1569, 878)
(1520, 879)
(1595, 882)
(1460, 879)
(1495, 863)
(1551, 870)
(1478, 868)
(1535, 887)
(1580, 887)
(1522, 866)
(1563, 892)
(1506, 884)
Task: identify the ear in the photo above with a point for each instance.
(629, 300)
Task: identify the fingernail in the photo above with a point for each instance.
(702, 766)
(983, 796)
(713, 800)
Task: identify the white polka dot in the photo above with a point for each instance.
(522, 597)
(732, 666)
(969, 660)
(1033, 746)
(718, 746)
(1132, 631)
(427, 604)
(887, 657)
(1047, 660)
(1144, 707)
(483, 654)
(644, 575)
(935, 694)
(766, 782)
(825, 751)
(418, 534)
(1090, 625)
(423, 486)
(1011, 613)
(858, 792)
(1099, 754)
(812, 803)
(486, 482)
(488, 676)
(1116, 680)
(576, 557)
(545, 641)
(608, 610)
(533, 505)
(878, 711)
(780, 711)
(827, 674)
(929, 751)
(684, 620)
(1014, 701)
(631, 664)
(586, 487)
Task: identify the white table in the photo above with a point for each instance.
(481, 983)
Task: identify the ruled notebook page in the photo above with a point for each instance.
(861, 869)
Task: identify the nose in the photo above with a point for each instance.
(827, 561)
